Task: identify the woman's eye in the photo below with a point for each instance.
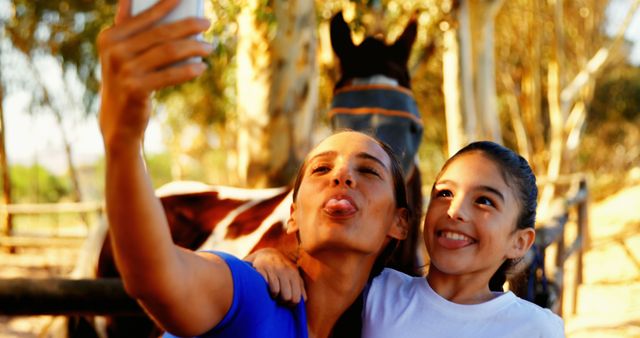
(321, 169)
(368, 170)
(444, 193)
(485, 201)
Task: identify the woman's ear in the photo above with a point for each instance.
(292, 226)
(522, 241)
(400, 227)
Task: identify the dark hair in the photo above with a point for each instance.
(350, 322)
(518, 175)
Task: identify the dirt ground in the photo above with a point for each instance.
(608, 303)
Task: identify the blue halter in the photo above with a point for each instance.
(387, 112)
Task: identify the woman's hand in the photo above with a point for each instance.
(139, 55)
(280, 273)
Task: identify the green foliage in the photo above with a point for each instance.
(611, 145)
(616, 97)
(35, 184)
(66, 29)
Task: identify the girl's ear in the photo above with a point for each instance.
(292, 226)
(400, 226)
(523, 240)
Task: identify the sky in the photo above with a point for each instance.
(36, 137)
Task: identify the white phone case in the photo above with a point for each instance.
(185, 9)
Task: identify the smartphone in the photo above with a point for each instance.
(185, 9)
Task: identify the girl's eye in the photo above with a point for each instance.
(369, 170)
(321, 169)
(444, 193)
(485, 201)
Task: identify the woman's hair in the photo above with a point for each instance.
(519, 176)
(350, 323)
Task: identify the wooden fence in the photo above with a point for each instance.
(10, 240)
(573, 213)
(60, 296)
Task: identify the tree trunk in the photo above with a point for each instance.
(451, 87)
(469, 74)
(483, 29)
(467, 68)
(556, 114)
(277, 91)
(75, 183)
(6, 222)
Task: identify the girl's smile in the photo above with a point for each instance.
(452, 239)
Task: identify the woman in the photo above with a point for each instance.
(349, 204)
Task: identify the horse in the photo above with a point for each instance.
(373, 95)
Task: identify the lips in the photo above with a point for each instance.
(339, 206)
(453, 239)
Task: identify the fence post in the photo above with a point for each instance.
(583, 240)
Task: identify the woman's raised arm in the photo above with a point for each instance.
(185, 292)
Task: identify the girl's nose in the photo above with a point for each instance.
(457, 209)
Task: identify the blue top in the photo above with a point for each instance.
(253, 312)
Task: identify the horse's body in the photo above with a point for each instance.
(240, 221)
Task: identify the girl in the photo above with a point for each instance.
(349, 204)
(480, 222)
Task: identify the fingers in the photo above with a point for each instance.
(166, 77)
(182, 29)
(124, 11)
(167, 55)
(129, 25)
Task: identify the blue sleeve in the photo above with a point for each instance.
(250, 291)
(253, 313)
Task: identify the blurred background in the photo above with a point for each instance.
(558, 81)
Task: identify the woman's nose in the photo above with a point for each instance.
(343, 176)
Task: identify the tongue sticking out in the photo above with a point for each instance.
(339, 207)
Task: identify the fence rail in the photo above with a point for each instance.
(9, 240)
(50, 208)
(30, 297)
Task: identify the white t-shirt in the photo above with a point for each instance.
(398, 305)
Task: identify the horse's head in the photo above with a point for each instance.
(372, 57)
(373, 94)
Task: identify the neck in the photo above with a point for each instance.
(460, 289)
(333, 282)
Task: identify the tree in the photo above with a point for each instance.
(277, 91)
(65, 31)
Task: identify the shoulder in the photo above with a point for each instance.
(253, 311)
(245, 277)
(548, 323)
(393, 286)
(390, 277)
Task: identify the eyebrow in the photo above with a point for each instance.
(362, 155)
(479, 187)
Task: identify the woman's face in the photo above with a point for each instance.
(470, 226)
(346, 197)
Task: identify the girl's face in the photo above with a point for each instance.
(346, 198)
(470, 226)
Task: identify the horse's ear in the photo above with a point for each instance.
(402, 46)
(341, 36)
